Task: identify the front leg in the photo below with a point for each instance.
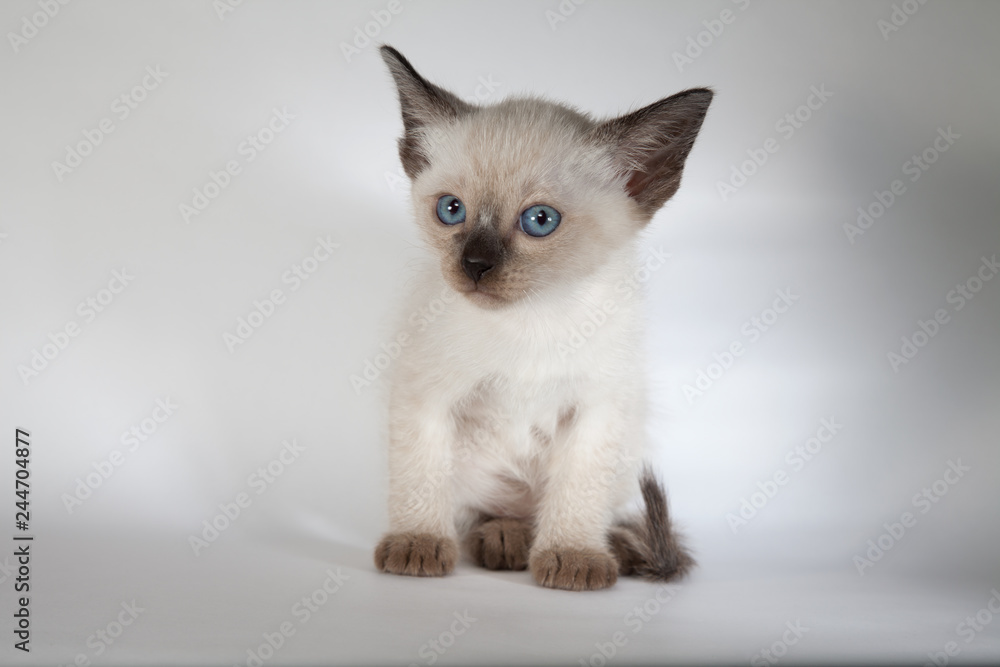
(422, 540)
(585, 473)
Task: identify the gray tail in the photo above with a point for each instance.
(648, 546)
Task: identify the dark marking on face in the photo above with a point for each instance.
(481, 253)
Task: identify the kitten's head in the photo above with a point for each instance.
(526, 196)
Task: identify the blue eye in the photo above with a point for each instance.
(540, 220)
(450, 210)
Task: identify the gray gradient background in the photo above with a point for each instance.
(333, 172)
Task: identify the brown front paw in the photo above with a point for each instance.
(574, 569)
(416, 554)
(500, 544)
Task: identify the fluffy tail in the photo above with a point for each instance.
(648, 546)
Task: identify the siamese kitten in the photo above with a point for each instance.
(515, 427)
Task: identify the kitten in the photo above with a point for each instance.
(510, 431)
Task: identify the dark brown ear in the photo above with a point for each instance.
(423, 104)
(650, 145)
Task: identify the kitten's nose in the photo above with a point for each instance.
(475, 266)
(482, 252)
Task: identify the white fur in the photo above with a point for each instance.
(525, 397)
(475, 406)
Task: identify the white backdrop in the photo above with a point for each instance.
(169, 169)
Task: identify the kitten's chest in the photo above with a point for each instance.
(538, 362)
(510, 417)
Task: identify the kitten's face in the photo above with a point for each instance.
(526, 197)
(516, 200)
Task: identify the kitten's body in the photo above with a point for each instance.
(517, 414)
(502, 380)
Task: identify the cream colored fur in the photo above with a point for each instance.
(495, 407)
